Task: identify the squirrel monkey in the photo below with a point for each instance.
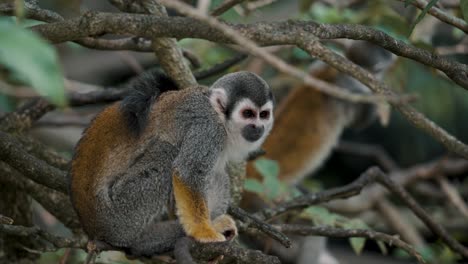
(308, 125)
(151, 168)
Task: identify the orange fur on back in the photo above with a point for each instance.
(92, 161)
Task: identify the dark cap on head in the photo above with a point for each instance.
(243, 84)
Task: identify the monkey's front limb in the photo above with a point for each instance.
(193, 212)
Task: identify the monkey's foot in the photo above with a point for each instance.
(225, 225)
(207, 234)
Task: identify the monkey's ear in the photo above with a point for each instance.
(218, 99)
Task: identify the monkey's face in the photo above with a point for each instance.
(244, 103)
(253, 122)
(248, 125)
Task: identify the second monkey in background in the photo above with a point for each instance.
(308, 126)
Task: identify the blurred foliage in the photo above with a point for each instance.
(464, 8)
(28, 59)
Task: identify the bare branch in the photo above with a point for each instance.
(305, 201)
(57, 203)
(35, 233)
(403, 177)
(37, 170)
(263, 33)
(273, 60)
(100, 24)
(220, 67)
(307, 230)
(213, 250)
(373, 151)
(390, 214)
(166, 49)
(453, 195)
(22, 118)
(371, 175)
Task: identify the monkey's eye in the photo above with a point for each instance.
(264, 114)
(248, 113)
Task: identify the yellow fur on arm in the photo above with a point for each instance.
(193, 213)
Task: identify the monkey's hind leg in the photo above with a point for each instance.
(157, 238)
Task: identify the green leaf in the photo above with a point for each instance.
(269, 169)
(464, 9)
(382, 247)
(408, 2)
(357, 243)
(253, 185)
(32, 60)
(423, 13)
(304, 5)
(320, 216)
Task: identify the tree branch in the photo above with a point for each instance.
(57, 203)
(403, 177)
(166, 49)
(98, 23)
(22, 118)
(37, 170)
(326, 231)
(263, 33)
(37, 234)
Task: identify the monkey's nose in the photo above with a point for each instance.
(252, 132)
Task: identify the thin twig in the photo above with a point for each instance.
(225, 6)
(390, 214)
(440, 14)
(260, 225)
(453, 195)
(372, 151)
(326, 231)
(220, 67)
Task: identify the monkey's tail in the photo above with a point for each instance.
(145, 89)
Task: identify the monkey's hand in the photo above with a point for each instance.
(225, 225)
